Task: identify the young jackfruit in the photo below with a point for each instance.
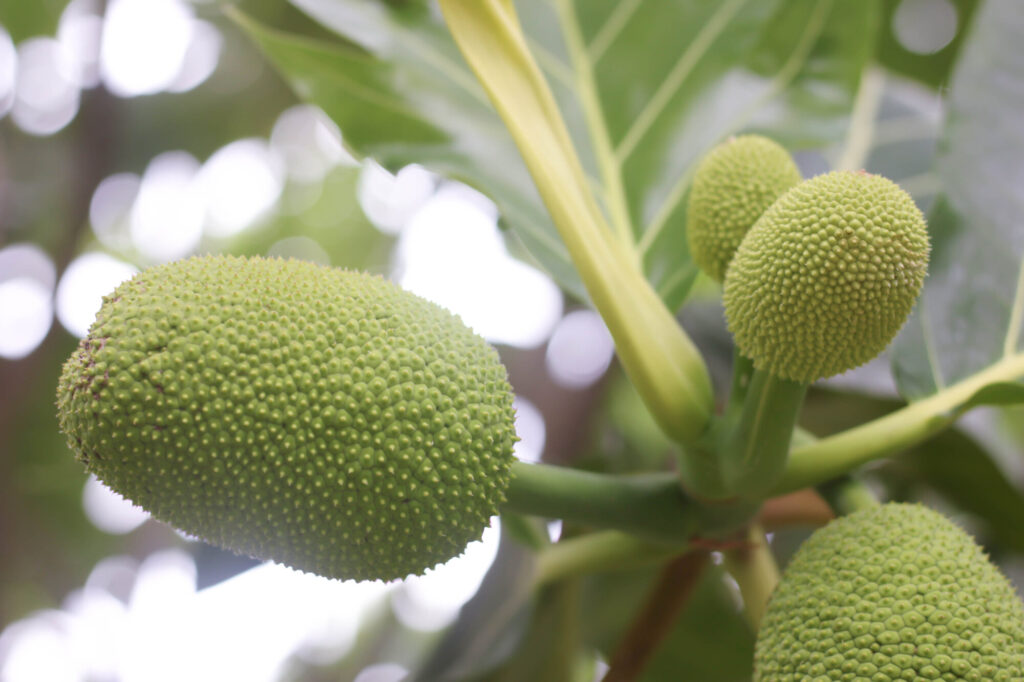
(827, 276)
(896, 592)
(321, 418)
(732, 186)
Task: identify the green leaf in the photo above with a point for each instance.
(401, 94)
(971, 313)
(1000, 393)
(30, 19)
(646, 89)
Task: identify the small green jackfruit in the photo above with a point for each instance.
(897, 592)
(732, 186)
(325, 419)
(827, 276)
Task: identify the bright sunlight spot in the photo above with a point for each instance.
(167, 218)
(87, 280)
(108, 511)
(453, 241)
(111, 208)
(433, 600)
(8, 71)
(240, 184)
(580, 350)
(47, 96)
(925, 26)
(27, 278)
(530, 429)
(144, 45)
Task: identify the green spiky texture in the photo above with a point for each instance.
(895, 592)
(732, 186)
(827, 276)
(325, 419)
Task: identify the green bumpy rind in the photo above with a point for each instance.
(732, 186)
(325, 419)
(827, 276)
(897, 592)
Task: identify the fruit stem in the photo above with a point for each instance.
(754, 454)
(847, 494)
(651, 507)
(754, 569)
(600, 551)
(658, 356)
(818, 461)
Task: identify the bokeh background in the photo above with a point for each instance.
(136, 132)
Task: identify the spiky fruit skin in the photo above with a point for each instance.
(827, 276)
(325, 419)
(896, 592)
(732, 186)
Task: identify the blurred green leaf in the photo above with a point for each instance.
(646, 89)
(407, 97)
(30, 19)
(970, 313)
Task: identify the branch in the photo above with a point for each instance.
(675, 584)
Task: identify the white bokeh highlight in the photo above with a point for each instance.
(46, 95)
(144, 45)
(308, 142)
(580, 350)
(382, 672)
(432, 601)
(389, 201)
(108, 511)
(86, 281)
(8, 71)
(168, 214)
(201, 57)
(27, 279)
(451, 252)
(530, 429)
(110, 209)
(925, 26)
(158, 628)
(240, 184)
(80, 31)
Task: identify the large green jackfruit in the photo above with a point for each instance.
(732, 186)
(892, 593)
(325, 419)
(827, 276)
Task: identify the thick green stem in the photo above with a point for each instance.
(825, 459)
(652, 507)
(601, 551)
(847, 494)
(659, 358)
(757, 445)
(754, 569)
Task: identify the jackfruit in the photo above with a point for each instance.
(325, 419)
(732, 186)
(895, 592)
(827, 276)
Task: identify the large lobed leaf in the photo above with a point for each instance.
(970, 315)
(646, 89)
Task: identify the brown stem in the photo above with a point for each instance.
(664, 603)
(803, 507)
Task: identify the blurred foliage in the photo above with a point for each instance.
(945, 125)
